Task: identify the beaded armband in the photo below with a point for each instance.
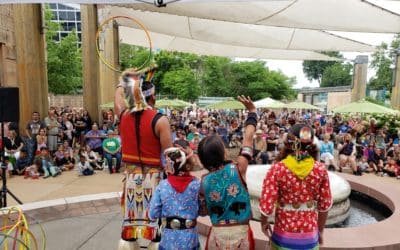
(247, 152)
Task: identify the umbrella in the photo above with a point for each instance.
(268, 103)
(301, 105)
(229, 104)
(364, 106)
(109, 105)
(172, 103)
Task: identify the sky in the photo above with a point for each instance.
(294, 68)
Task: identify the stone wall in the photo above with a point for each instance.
(75, 101)
(8, 59)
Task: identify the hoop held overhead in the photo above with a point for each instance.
(136, 22)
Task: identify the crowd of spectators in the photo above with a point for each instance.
(67, 139)
(64, 140)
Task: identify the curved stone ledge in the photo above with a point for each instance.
(379, 236)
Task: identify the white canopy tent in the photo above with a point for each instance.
(172, 43)
(267, 102)
(236, 34)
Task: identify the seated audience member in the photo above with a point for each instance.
(272, 145)
(326, 152)
(376, 160)
(66, 163)
(12, 146)
(94, 139)
(347, 152)
(46, 167)
(22, 163)
(33, 170)
(112, 148)
(68, 148)
(59, 154)
(392, 169)
(93, 158)
(84, 167)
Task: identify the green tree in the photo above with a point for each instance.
(214, 77)
(381, 61)
(315, 69)
(187, 76)
(338, 74)
(64, 60)
(182, 83)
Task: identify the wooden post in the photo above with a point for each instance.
(395, 98)
(91, 88)
(31, 61)
(359, 78)
(109, 49)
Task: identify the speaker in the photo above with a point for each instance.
(9, 104)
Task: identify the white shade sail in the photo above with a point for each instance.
(160, 41)
(335, 15)
(236, 34)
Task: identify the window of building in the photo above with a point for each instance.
(62, 15)
(78, 16)
(78, 26)
(71, 15)
(53, 6)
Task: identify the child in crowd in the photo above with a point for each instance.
(326, 152)
(392, 169)
(176, 201)
(22, 163)
(66, 163)
(84, 167)
(33, 170)
(46, 167)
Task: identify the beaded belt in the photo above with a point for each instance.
(306, 206)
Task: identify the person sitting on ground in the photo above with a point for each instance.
(377, 160)
(179, 229)
(66, 163)
(13, 145)
(112, 148)
(347, 152)
(68, 148)
(326, 152)
(392, 169)
(46, 167)
(33, 170)
(93, 158)
(84, 167)
(59, 154)
(22, 163)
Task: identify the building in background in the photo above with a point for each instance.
(69, 15)
(325, 98)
